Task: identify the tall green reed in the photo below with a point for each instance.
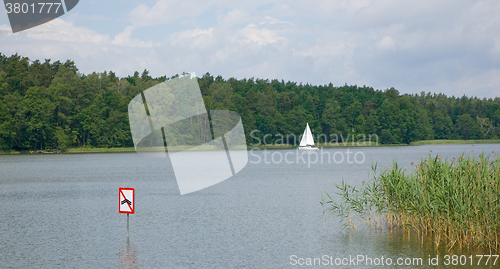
(456, 201)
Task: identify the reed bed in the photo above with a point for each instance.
(456, 201)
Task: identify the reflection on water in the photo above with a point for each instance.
(417, 250)
(127, 259)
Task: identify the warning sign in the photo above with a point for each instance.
(126, 198)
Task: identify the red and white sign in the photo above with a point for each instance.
(126, 199)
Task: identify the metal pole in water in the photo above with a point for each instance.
(127, 225)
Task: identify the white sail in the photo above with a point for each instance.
(307, 138)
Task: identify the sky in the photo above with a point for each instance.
(449, 46)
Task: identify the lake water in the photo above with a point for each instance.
(61, 210)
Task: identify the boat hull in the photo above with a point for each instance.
(308, 148)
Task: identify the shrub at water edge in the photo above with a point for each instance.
(456, 201)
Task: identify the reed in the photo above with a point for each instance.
(456, 201)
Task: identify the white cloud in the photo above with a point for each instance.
(413, 46)
(196, 38)
(386, 43)
(233, 17)
(254, 34)
(76, 16)
(5, 30)
(61, 40)
(124, 39)
(271, 20)
(166, 11)
(318, 51)
(63, 31)
(480, 85)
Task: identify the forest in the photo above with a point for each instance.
(48, 105)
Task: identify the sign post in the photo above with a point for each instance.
(126, 204)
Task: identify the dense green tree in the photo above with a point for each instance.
(6, 132)
(468, 128)
(443, 126)
(50, 105)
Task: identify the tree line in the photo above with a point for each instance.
(51, 105)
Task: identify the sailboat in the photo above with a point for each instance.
(307, 141)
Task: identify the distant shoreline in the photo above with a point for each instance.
(441, 142)
(270, 146)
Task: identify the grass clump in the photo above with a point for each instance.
(456, 201)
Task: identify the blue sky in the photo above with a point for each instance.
(450, 47)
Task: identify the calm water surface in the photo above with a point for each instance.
(62, 211)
